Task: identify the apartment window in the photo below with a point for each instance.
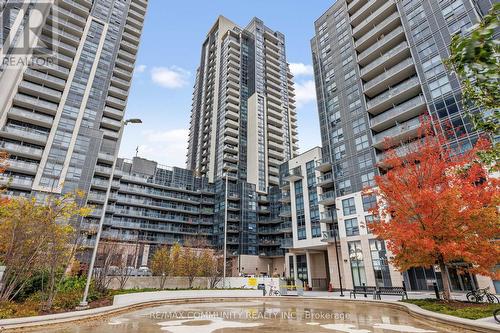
(339, 152)
(361, 142)
(365, 161)
(349, 206)
(370, 219)
(380, 263)
(367, 180)
(351, 227)
(369, 202)
(440, 87)
(337, 135)
(344, 186)
(433, 67)
(358, 126)
(357, 263)
(427, 48)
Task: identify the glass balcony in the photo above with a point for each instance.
(325, 179)
(379, 22)
(383, 45)
(41, 91)
(22, 166)
(385, 58)
(406, 110)
(327, 198)
(394, 95)
(405, 130)
(30, 117)
(16, 149)
(35, 103)
(26, 134)
(391, 76)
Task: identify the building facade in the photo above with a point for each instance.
(151, 206)
(243, 116)
(61, 110)
(379, 70)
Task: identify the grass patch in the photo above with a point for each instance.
(460, 309)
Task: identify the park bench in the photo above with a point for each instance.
(396, 291)
(363, 290)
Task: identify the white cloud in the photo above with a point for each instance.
(167, 147)
(170, 77)
(140, 68)
(298, 69)
(305, 92)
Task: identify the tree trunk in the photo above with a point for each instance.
(446, 281)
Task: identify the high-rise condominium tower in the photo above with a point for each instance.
(65, 77)
(378, 69)
(243, 117)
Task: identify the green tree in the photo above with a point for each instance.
(37, 236)
(161, 265)
(475, 58)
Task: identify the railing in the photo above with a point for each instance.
(327, 196)
(397, 130)
(388, 73)
(384, 57)
(381, 42)
(325, 178)
(376, 29)
(392, 92)
(397, 110)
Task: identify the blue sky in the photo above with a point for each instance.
(169, 55)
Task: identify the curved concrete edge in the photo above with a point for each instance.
(459, 324)
(149, 299)
(123, 303)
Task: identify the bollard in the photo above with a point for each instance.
(364, 289)
(436, 290)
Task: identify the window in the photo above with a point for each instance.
(369, 202)
(337, 135)
(357, 263)
(351, 227)
(365, 161)
(349, 206)
(368, 179)
(358, 126)
(361, 142)
(440, 87)
(339, 152)
(380, 263)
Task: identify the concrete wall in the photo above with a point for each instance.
(255, 265)
(141, 282)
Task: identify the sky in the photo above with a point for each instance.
(169, 54)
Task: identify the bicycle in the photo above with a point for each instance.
(481, 295)
(273, 292)
(496, 314)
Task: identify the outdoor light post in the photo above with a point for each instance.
(84, 303)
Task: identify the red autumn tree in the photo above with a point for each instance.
(439, 207)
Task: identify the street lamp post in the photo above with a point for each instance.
(84, 303)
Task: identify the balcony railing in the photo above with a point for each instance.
(388, 73)
(398, 110)
(395, 131)
(384, 57)
(392, 92)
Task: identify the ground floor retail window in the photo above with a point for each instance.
(357, 263)
(380, 263)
